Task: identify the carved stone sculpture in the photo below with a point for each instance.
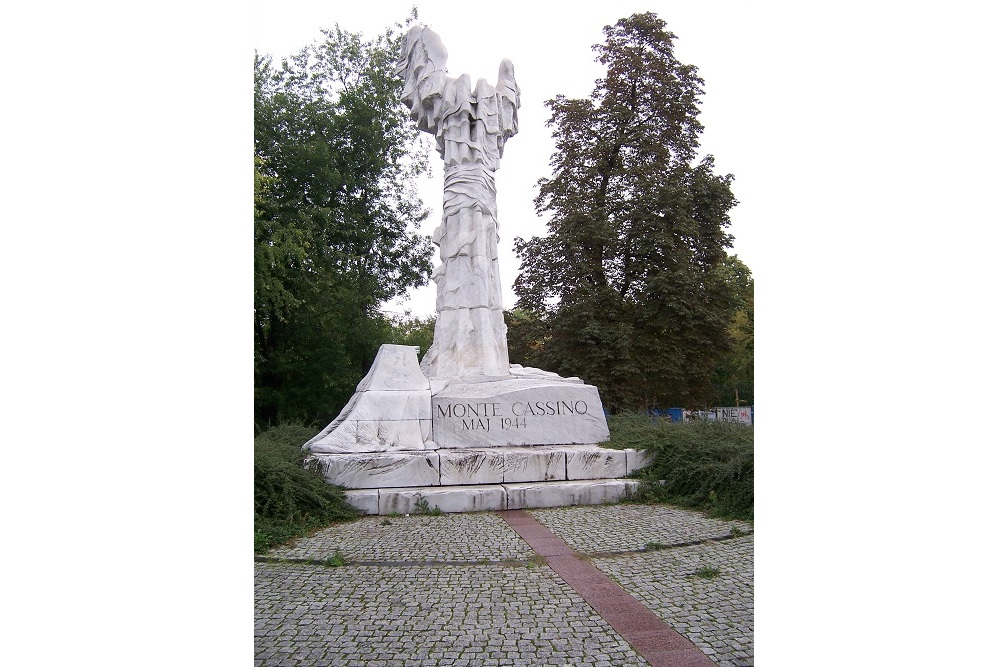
(470, 127)
(465, 429)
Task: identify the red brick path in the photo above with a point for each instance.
(653, 639)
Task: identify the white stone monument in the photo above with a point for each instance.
(466, 430)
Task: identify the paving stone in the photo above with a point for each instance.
(630, 527)
(354, 597)
(418, 538)
(715, 614)
(475, 610)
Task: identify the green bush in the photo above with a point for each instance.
(704, 465)
(288, 500)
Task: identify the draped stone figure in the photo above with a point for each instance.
(470, 126)
(464, 429)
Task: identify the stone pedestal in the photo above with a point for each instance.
(466, 430)
(530, 439)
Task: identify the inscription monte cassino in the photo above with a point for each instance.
(517, 409)
(477, 416)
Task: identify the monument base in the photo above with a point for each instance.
(409, 500)
(527, 439)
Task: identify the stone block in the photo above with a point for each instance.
(479, 466)
(636, 459)
(374, 470)
(594, 463)
(448, 498)
(563, 494)
(363, 500)
(534, 464)
(515, 412)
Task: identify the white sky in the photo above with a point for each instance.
(551, 51)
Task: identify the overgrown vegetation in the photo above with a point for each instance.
(288, 500)
(703, 465)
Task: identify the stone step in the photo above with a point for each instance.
(473, 467)
(479, 497)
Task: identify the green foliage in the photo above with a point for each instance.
(706, 572)
(704, 465)
(734, 370)
(336, 560)
(335, 205)
(417, 331)
(290, 501)
(626, 291)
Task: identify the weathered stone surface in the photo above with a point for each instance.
(363, 500)
(385, 405)
(390, 411)
(376, 470)
(636, 459)
(517, 412)
(471, 126)
(395, 369)
(480, 466)
(534, 464)
(448, 498)
(374, 436)
(559, 494)
(595, 463)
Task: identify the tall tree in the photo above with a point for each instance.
(336, 157)
(624, 291)
(733, 376)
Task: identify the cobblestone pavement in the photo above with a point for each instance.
(614, 528)
(416, 538)
(714, 612)
(460, 615)
(433, 590)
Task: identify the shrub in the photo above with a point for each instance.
(704, 465)
(288, 500)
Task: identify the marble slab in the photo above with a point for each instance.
(363, 500)
(563, 494)
(447, 498)
(377, 470)
(595, 463)
(480, 466)
(523, 411)
(353, 436)
(635, 459)
(395, 369)
(389, 411)
(534, 464)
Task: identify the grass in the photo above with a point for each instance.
(336, 560)
(705, 465)
(290, 501)
(707, 572)
(423, 507)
